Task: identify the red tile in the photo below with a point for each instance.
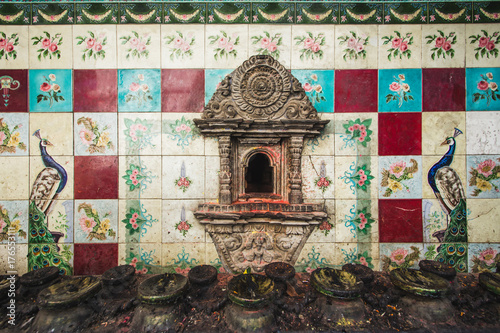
(400, 220)
(399, 133)
(96, 90)
(17, 101)
(96, 177)
(443, 89)
(94, 259)
(183, 90)
(356, 90)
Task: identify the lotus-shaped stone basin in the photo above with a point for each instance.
(251, 290)
(490, 281)
(419, 283)
(336, 283)
(162, 289)
(69, 292)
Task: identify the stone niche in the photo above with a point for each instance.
(260, 115)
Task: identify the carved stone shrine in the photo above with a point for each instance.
(260, 115)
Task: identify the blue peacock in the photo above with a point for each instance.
(43, 249)
(449, 191)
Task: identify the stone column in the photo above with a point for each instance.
(225, 170)
(296, 145)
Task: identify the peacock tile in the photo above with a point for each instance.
(356, 134)
(15, 179)
(95, 90)
(182, 90)
(402, 255)
(140, 221)
(50, 90)
(400, 177)
(483, 176)
(404, 13)
(17, 266)
(482, 90)
(59, 221)
(356, 177)
(323, 144)
(139, 90)
(400, 90)
(96, 177)
(14, 84)
(326, 231)
(94, 258)
(317, 13)
(183, 46)
(313, 256)
(356, 90)
(96, 221)
(50, 47)
(180, 225)
(356, 46)
(483, 133)
(313, 47)
(140, 177)
(139, 133)
(37, 166)
(446, 122)
(50, 254)
(53, 13)
(318, 85)
(351, 13)
(14, 221)
(458, 165)
(276, 42)
(213, 78)
(486, 12)
(483, 224)
(183, 177)
(435, 220)
(273, 13)
(15, 14)
(443, 89)
(181, 257)
(96, 13)
(452, 12)
(482, 45)
(356, 221)
(138, 46)
(14, 46)
(226, 46)
(140, 13)
(400, 133)
(318, 177)
(186, 13)
(146, 258)
(400, 46)
(180, 135)
(94, 46)
(483, 257)
(14, 138)
(400, 220)
(58, 132)
(212, 168)
(95, 134)
(443, 45)
(366, 254)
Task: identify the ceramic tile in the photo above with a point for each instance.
(95, 90)
(482, 43)
(14, 47)
(94, 46)
(14, 134)
(446, 122)
(139, 90)
(318, 85)
(326, 231)
(313, 47)
(482, 90)
(483, 224)
(14, 90)
(180, 225)
(213, 77)
(313, 256)
(486, 12)
(96, 221)
(20, 266)
(140, 221)
(51, 90)
(366, 254)
(443, 89)
(226, 46)
(184, 12)
(183, 46)
(138, 46)
(186, 95)
(139, 133)
(60, 221)
(276, 42)
(96, 13)
(404, 255)
(400, 220)
(457, 12)
(397, 13)
(400, 177)
(212, 257)
(356, 46)
(399, 46)
(483, 176)
(14, 184)
(317, 13)
(66, 162)
(356, 90)
(212, 167)
(322, 144)
(96, 177)
(356, 221)
(95, 134)
(318, 176)
(60, 136)
(139, 177)
(180, 135)
(483, 257)
(483, 134)
(434, 219)
(356, 134)
(211, 146)
(400, 90)
(361, 13)
(15, 13)
(50, 46)
(273, 13)
(443, 45)
(183, 177)
(14, 221)
(53, 13)
(95, 259)
(65, 254)
(390, 140)
(140, 13)
(458, 166)
(146, 258)
(181, 257)
(356, 177)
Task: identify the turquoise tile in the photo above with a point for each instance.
(318, 85)
(400, 90)
(482, 89)
(139, 90)
(51, 90)
(212, 79)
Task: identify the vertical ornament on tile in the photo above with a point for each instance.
(312, 262)
(8, 84)
(183, 182)
(183, 225)
(358, 132)
(323, 182)
(182, 130)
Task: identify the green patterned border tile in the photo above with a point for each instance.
(63, 13)
(447, 12)
(15, 13)
(317, 13)
(140, 13)
(366, 13)
(185, 13)
(97, 13)
(275, 12)
(229, 12)
(406, 13)
(485, 12)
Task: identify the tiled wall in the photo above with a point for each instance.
(117, 101)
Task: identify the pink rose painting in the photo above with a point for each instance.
(267, 44)
(483, 177)
(136, 45)
(486, 44)
(49, 45)
(398, 256)
(399, 45)
(488, 89)
(443, 44)
(224, 45)
(51, 91)
(311, 46)
(354, 45)
(7, 45)
(92, 45)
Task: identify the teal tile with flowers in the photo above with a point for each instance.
(483, 176)
(213, 77)
(482, 89)
(14, 135)
(400, 90)
(139, 90)
(400, 177)
(50, 90)
(318, 85)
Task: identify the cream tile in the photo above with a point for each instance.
(313, 256)
(347, 139)
(60, 219)
(16, 51)
(67, 162)
(138, 46)
(14, 184)
(349, 173)
(211, 145)
(318, 175)
(146, 128)
(323, 144)
(183, 177)
(356, 221)
(180, 225)
(325, 232)
(226, 46)
(212, 168)
(434, 219)
(14, 214)
(483, 133)
(276, 42)
(147, 176)
(182, 256)
(313, 47)
(356, 46)
(94, 46)
(481, 44)
(482, 223)
(180, 135)
(452, 39)
(212, 257)
(146, 258)
(359, 253)
(399, 46)
(96, 221)
(50, 46)
(147, 214)
(17, 266)
(96, 133)
(183, 46)
(446, 122)
(459, 165)
(55, 127)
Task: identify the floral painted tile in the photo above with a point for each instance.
(14, 138)
(458, 165)
(180, 135)
(366, 254)
(400, 90)
(400, 220)
(139, 90)
(96, 221)
(313, 256)
(14, 46)
(441, 12)
(443, 89)
(50, 46)
(139, 133)
(183, 177)
(14, 84)
(140, 177)
(356, 47)
(361, 13)
(483, 221)
(355, 177)
(213, 77)
(15, 180)
(96, 177)
(435, 219)
(356, 134)
(51, 90)
(212, 168)
(276, 42)
(400, 133)
(15, 13)
(95, 134)
(437, 126)
(146, 258)
(186, 13)
(60, 220)
(326, 231)
(226, 46)
(397, 13)
(400, 177)
(404, 255)
(92, 13)
(318, 85)
(486, 12)
(482, 45)
(482, 89)
(399, 46)
(323, 144)
(484, 176)
(53, 13)
(443, 45)
(318, 176)
(140, 13)
(140, 221)
(181, 225)
(313, 47)
(356, 90)
(95, 259)
(95, 90)
(181, 257)
(356, 221)
(182, 46)
(66, 162)
(94, 46)
(60, 136)
(14, 221)
(483, 257)
(272, 13)
(182, 90)
(317, 13)
(138, 46)
(483, 133)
